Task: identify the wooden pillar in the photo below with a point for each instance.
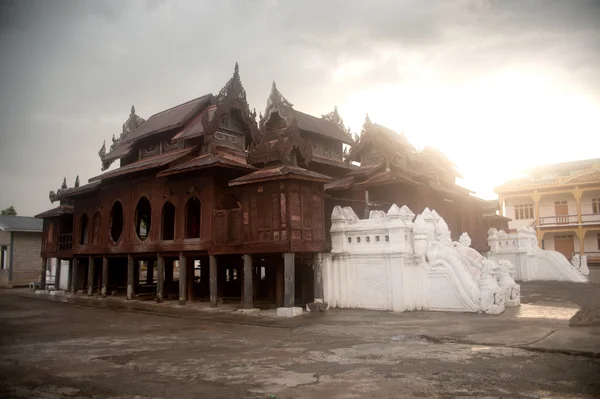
(191, 279)
(74, 273)
(581, 232)
(536, 200)
(104, 290)
(57, 275)
(70, 275)
(289, 292)
(130, 277)
(182, 278)
(160, 278)
(43, 275)
(318, 278)
(149, 272)
(577, 193)
(90, 276)
(213, 280)
(248, 275)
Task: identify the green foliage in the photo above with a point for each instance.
(10, 211)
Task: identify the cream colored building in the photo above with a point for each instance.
(562, 202)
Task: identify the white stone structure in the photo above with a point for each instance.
(389, 262)
(531, 262)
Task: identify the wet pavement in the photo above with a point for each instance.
(52, 350)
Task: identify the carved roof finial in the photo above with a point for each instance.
(77, 181)
(234, 91)
(133, 110)
(64, 184)
(368, 120)
(277, 99)
(102, 151)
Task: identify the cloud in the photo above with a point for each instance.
(70, 70)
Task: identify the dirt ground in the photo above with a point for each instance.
(59, 350)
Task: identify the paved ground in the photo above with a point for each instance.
(62, 350)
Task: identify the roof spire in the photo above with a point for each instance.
(236, 69)
(133, 110)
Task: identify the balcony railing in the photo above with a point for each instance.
(566, 219)
(590, 254)
(590, 218)
(65, 242)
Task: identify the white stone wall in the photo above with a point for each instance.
(412, 266)
(531, 262)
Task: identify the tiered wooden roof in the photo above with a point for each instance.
(387, 157)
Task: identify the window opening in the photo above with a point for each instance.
(116, 221)
(143, 218)
(83, 231)
(192, 213)
(168, 221)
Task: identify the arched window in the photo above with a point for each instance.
(143, 218)
(83, 230)
(192, 218)
(168, 221)
(96, 228)
(116, 221)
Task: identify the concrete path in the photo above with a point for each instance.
(57, 350)
(541, 323)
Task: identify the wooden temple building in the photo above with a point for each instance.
(207, 204)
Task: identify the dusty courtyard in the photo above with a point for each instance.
(64, 350)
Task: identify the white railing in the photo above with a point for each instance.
(566, 219)
(595, 217)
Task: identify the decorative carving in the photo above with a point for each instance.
(492, 296)
(465, 240)
(77, 181)
(102, 154)
(151, 150)
(133, 122)
(169, 145)
(227, 137)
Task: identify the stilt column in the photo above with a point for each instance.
(248, 282)
(74, 273)
(130, 277)
(43, 275)
(104, 290)
(160, 278)
(149, 272)
(90, 276)
(57, 275)
(213, 280)
(318, 305)
(182, 278)
(289, 292)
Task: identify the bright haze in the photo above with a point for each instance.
(498, 86)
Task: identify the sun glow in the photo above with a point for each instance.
(491, 127)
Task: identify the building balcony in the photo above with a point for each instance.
(591, 218)
(569, 220)
(65, 242)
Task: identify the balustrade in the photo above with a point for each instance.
(65, 242)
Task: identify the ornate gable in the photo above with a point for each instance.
(589, 176)
(281, 141)
(231, 111)
(133, 122)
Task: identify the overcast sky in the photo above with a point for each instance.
(498, 86)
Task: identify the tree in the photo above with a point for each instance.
(10, 211)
